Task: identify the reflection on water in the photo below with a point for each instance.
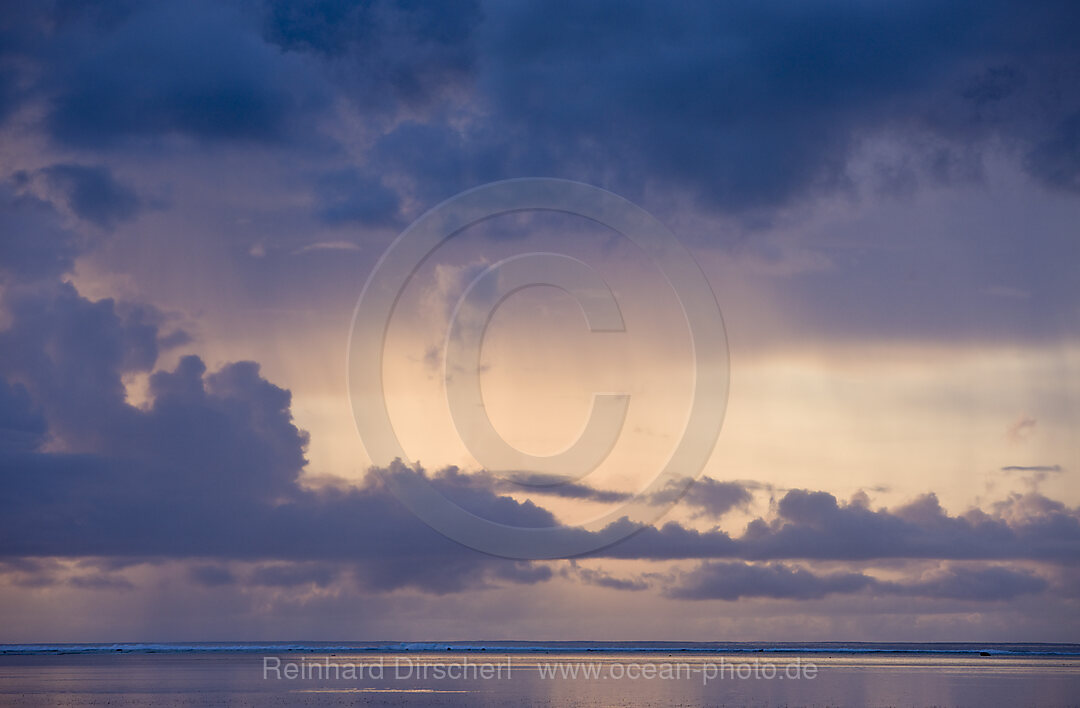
(548, 679)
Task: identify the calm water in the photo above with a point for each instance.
(518, 674)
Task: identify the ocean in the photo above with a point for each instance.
(551, 674)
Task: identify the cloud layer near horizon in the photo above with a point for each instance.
(211, 468)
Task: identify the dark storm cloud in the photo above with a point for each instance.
(15, 49)
(35, 243)
(740, 104)
(70, 353)
(198, 70)
(245, 72)
(37, 246)
(22, 427)
(93, 194)
(382, 54)
(746, 105)
(731, 581)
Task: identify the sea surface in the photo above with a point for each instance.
(554, 674)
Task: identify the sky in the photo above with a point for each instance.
(884, 198)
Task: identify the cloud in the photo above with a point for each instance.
(8, 92)
(332, 116)
(251, 73)
(92, 193)
(1056, 160)
(348, 196)
(211, 575)
(211, 468)
(36, 245)
(991, 584)
(565, 490)
(70, 354)
(199, 71)
(708, 497)
(732, 581)
(602, 579)
(210, 471)
(100, 582)
(293, 574)
(383, 55)
(1021, 428)
(30, 572)
(813, 525)
(1032, 468)
(326, 246)
(1033, 475)
(22, 427)
(740, 105)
